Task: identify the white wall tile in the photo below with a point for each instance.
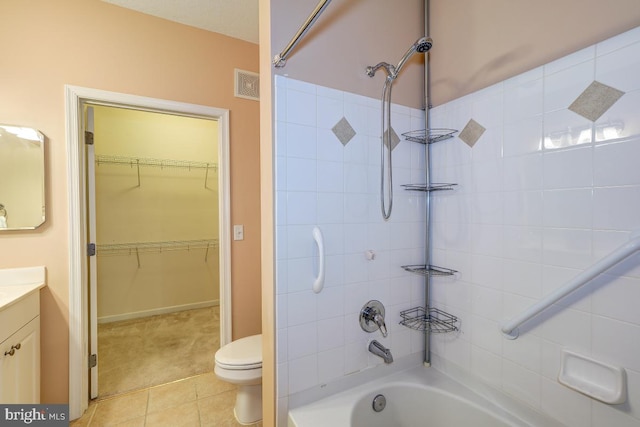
(564, 404)
(303, 373)
(616, 342)
(301, 141)
(568, 168)
(302, 340)
(616, 163)
(568, 208)
(620, 68)
(616, 208)
(521, 383)
(301, 107)
(563, 87)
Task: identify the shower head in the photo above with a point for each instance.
(421, 45)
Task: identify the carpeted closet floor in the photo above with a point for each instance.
(141, 353)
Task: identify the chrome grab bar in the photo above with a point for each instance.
(280, 59)
(510, 327)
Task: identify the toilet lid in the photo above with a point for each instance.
(245, 353)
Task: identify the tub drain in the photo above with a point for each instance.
(379, 403)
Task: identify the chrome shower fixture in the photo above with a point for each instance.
(421, 45)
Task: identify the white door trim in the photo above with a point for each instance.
(75, 97)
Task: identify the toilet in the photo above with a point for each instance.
(240, 363)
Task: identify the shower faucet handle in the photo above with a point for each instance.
(372, 317)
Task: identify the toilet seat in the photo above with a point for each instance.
(242, 354)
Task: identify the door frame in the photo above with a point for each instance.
(75, 98)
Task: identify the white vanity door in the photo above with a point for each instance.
(20, 365)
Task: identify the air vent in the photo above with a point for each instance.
(247, 85)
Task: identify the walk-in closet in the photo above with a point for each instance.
(156, 234)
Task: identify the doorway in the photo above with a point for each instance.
(77, 98)
(156, 235)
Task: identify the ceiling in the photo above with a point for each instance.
(233, 18)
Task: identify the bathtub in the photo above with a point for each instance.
(417, 397)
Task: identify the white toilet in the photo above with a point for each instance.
(240, 363)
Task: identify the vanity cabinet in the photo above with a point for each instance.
(20, 351)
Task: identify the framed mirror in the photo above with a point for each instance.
(22, 198)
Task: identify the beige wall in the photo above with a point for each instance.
(92, 44)
(478, 43)
(348, 37)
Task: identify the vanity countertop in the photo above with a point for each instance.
(17, 283)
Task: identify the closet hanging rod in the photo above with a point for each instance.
(280, 59)
(162, 163)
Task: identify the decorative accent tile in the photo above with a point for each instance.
(393, 138)
(595, 100)
(343, 131)
(471, 133)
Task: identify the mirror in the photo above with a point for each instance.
(22, 196)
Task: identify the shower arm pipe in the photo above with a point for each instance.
(510, 328)
(280, 59)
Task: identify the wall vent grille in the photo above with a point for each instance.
(247, 85)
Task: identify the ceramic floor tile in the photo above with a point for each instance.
(182, 415)
(218, 409)
(121, 409)
(209, 385)
(171, 395)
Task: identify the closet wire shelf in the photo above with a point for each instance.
(429, 270)
(138, 248)
(432, 320)
(161, 163)
(432, 187)
(137, 162)
(157, 247)
(429, 136)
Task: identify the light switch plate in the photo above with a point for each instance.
(238, 232)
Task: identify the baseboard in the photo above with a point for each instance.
(156, 311)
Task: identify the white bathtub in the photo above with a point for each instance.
(416, 397)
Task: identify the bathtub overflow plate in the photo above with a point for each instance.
(379, 403)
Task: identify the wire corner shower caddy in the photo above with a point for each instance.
(429, 319)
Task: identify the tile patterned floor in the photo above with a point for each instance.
(200, 401)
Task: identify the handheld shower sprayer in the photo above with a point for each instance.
(421, 45)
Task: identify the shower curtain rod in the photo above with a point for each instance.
(280, 59)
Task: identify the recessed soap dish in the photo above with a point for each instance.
(601, 381)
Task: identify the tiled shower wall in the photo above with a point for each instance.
(329, 176)
(544, 193)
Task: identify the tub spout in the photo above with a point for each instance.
(381, 351)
